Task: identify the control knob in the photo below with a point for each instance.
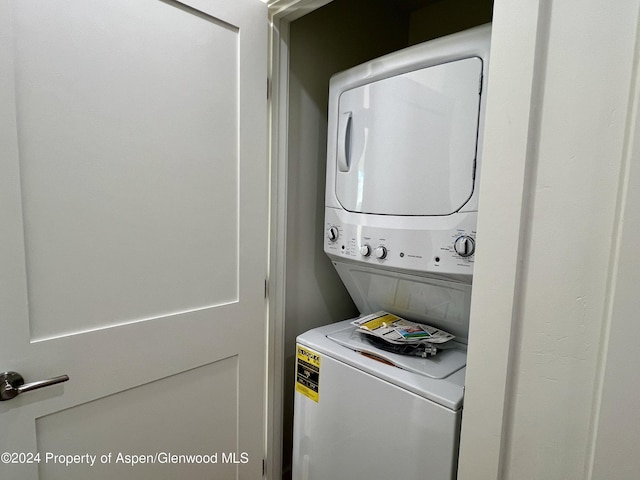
(365, 250)
(464, 246)
(333, 234)
(381, 252)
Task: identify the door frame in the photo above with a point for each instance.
(281, 14)
(520, 48)
(516, 34)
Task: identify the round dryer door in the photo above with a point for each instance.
(407, 144)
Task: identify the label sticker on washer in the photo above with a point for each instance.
(307, 372)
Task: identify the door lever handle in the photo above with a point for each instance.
(12, 384)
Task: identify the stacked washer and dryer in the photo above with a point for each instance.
(404, 157)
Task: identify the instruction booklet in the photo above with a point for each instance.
(397, 330)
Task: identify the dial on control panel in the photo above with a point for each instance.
(464, 246)
(365, 250)
(333, 234)
(381, 252)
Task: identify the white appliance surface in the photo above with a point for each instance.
(373, 420)
(407, 143)
(437, 366)
(437, 302)
(404, 148)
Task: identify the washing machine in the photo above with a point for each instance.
(404, 154)
(362, 413)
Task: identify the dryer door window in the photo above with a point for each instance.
(406, 144)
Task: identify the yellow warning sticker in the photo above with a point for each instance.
(307, 372)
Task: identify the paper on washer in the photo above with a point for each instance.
(397, 330)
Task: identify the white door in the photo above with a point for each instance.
(133, 233)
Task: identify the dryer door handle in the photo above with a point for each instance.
(344, 142)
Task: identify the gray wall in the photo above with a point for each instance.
(445, 17)
(338, 36)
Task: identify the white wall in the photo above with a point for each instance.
(618, 416)
(555, 145)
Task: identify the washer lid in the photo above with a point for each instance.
(406, 145)
(441, 365)
(448, 392)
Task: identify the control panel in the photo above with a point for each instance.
(446, 247)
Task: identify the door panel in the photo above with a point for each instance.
(129, 211)
(133, 173)
(154, 415)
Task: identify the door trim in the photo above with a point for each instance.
(281, 14)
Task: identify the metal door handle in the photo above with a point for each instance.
(12, 384)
